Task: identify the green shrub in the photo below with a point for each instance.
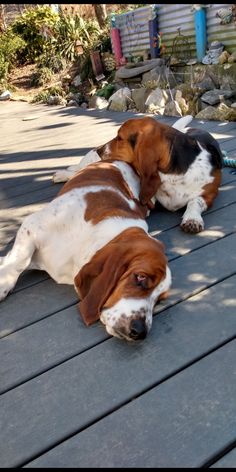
(42, 76)
(37, 27)
(10, 47)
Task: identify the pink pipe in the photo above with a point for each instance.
(115, 37)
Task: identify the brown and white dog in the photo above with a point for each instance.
(94, 236)
(178, 166)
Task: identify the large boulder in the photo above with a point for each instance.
(213, 96)
(156, 101)
(172, 109)
(119, 100)
(98, 102)
(139, 96)
(132, 70)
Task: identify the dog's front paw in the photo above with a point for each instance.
(192, 226)
(59, 177)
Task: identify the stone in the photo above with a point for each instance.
(232, 57)
(223, 57)
(221, 113)
(173, 109)
(98, 102)
(139, 96)
(233, 105)
(118, 101)
(56, 100)
(156, 101)
(213, 96)
(181, 102)
(6, 95)
(72, 103)
(132, 70)
(209, 113)
(206, 84)
(77, 80)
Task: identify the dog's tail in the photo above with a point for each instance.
(182, 122)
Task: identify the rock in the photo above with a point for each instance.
(139, 96)
(233, 105)
(132, 70)
(181, 102)
(232, 57)
(84, 105)
(6, 95)
(72, 103)
(206, 84)
(77, 80)
(221, 113)
(223, 57)
(213, 96)
(56, 100)
(156, 101)
(172, 109)
(98, 102)
(209, 113)
(119, 100)
(156, 74)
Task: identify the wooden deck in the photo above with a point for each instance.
(73, 396)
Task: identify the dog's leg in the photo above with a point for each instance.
(66, 174)
(18, 259)
(192, 221)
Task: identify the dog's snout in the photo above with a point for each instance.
(138, 329)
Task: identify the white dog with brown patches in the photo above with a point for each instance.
(94, 236)
(178, 166)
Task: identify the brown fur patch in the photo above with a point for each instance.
(211, 190)
(100, 173)
(106, 204)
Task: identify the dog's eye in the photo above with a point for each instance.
(141, 280)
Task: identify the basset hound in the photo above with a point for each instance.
(94, 236)
(178, 166)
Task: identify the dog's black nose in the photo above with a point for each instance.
(138, 329)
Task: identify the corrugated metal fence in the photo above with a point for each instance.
(134, 30)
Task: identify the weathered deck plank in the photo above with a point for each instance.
(59, 378)
(161, 427)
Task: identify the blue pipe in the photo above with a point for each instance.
(200, 29)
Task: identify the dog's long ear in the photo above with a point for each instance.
(96, 281)
(150, 152)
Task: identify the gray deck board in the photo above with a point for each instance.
(193, 411)
(228, 461)
(165, 402)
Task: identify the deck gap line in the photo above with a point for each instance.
(172, 258)
(23, 193)
(124, 403)
(219, 455)
(164, 308)
(3, 392)
(41, 319)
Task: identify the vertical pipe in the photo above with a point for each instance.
(115, 37)
(200, 30)
(154, 38)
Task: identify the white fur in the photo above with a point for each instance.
(182, 123)
(66, 174)
(57, 239)
(177, 190)
(142, 307)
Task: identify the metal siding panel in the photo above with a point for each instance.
(171, 17)
(216, 31)
(134, 29)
